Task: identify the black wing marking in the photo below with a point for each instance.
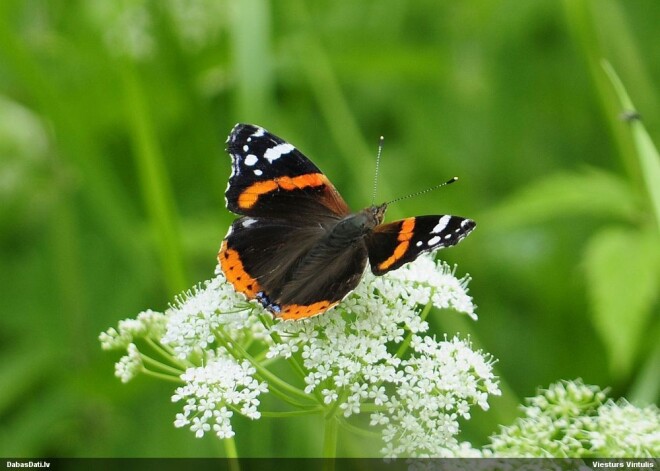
(270, 177)
(396, 243)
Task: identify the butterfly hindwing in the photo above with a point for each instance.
(271, 178)
(393, 244)
(280, 264)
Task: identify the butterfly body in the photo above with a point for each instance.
(297, 248)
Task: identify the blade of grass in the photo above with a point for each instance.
(647, 154)
(581, 23)
(334, 105)
(154, 182)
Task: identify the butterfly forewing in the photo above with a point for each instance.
(393, 244)
(271, 178)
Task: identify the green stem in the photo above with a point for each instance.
(157, 364)
(167, 354)
(163, 376)
(647, 154)
(154, 182)
(274, 390)
(359, 431)
(371, 407)
(293, 413)
(330, 442)
(232, 453)
(341, 398)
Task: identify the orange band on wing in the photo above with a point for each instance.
(298, 311)
(251, 194)
(405, 234)
(232, 267)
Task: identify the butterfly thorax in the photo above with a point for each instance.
(354, 227)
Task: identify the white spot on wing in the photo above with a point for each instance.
(246, 148)
(259, 132)
(250, 160)
(419, 243)
(278, 151)
(258, 172)
(248, 222)
(433, 240)
(440, 226)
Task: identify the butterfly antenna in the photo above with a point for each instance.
(380, 150)
(412, 195)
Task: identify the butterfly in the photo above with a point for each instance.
(297, 248)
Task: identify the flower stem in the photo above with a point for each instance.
(293, 413)
(330, 443)
(166, 353)
(231, 453)
(157, 364)
(162, 376)
(359, 431)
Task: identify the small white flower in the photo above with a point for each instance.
(221, 381)
(378, 395)
(329, 396)
(199, 427)
(148, 324)
(571, 419)
(129, 365)
(193, 321)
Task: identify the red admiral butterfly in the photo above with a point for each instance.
(297, 248)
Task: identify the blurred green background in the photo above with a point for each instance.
(113, 117)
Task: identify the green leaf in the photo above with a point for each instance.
(591, 192)
(622, 274)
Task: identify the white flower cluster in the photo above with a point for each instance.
(130, 365)
(211, 391)
(198, 314)
(368, 354)
(148, 323)
(441, 381)
(187, 332)
(351, 355)
(622, 429)
(571, 419)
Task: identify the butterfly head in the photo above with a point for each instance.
(372, 216)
